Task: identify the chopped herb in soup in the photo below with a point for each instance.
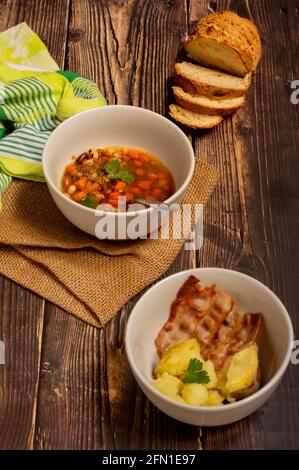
(101, 176)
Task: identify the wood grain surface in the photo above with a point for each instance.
(67, 385)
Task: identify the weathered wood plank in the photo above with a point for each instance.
(68, 402)
(21, 324)
(125, 47)
(7, 9)
(22, 312)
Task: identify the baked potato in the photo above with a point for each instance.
(241, 371)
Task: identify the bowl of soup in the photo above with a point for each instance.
(102, 164)
(116, 178)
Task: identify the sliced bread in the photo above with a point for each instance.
(225, 41)
(198, 80)
(206, 105)
(191, 119)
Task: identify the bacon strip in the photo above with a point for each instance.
(210, 316)
(183, 317)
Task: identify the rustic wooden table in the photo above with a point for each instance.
(67, 385)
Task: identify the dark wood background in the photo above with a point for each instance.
(67, 385)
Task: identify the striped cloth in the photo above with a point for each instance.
(35, 96)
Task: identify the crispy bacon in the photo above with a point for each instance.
(238, 332)
(210, 316)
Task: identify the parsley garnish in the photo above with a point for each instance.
(116, 173)
(195, 373)
(113, 166)
(89, 201)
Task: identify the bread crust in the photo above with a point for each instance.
(189, 102)
(238, 33)
(175, 113)
(196, 87)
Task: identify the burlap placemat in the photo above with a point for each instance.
(89, 278)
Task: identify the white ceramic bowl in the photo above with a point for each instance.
(275, 342)
(120, 126)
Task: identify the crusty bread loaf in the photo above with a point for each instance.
(206, 105)
(225, 41)
(193, 120)
(198, 80)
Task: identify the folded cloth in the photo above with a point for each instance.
(89, 278)
(35, 96)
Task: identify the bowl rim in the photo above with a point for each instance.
(180, 191)
(211, 409)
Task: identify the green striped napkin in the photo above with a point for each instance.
(35, 96)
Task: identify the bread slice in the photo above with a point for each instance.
(225, 41)
(198, 80)
(206, 105)
(193, 120)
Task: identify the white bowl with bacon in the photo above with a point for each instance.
(162, 319)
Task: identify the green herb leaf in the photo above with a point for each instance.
(115, 173)
(195, 374)
(113, 166)
(124, 175)
(89, 201)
